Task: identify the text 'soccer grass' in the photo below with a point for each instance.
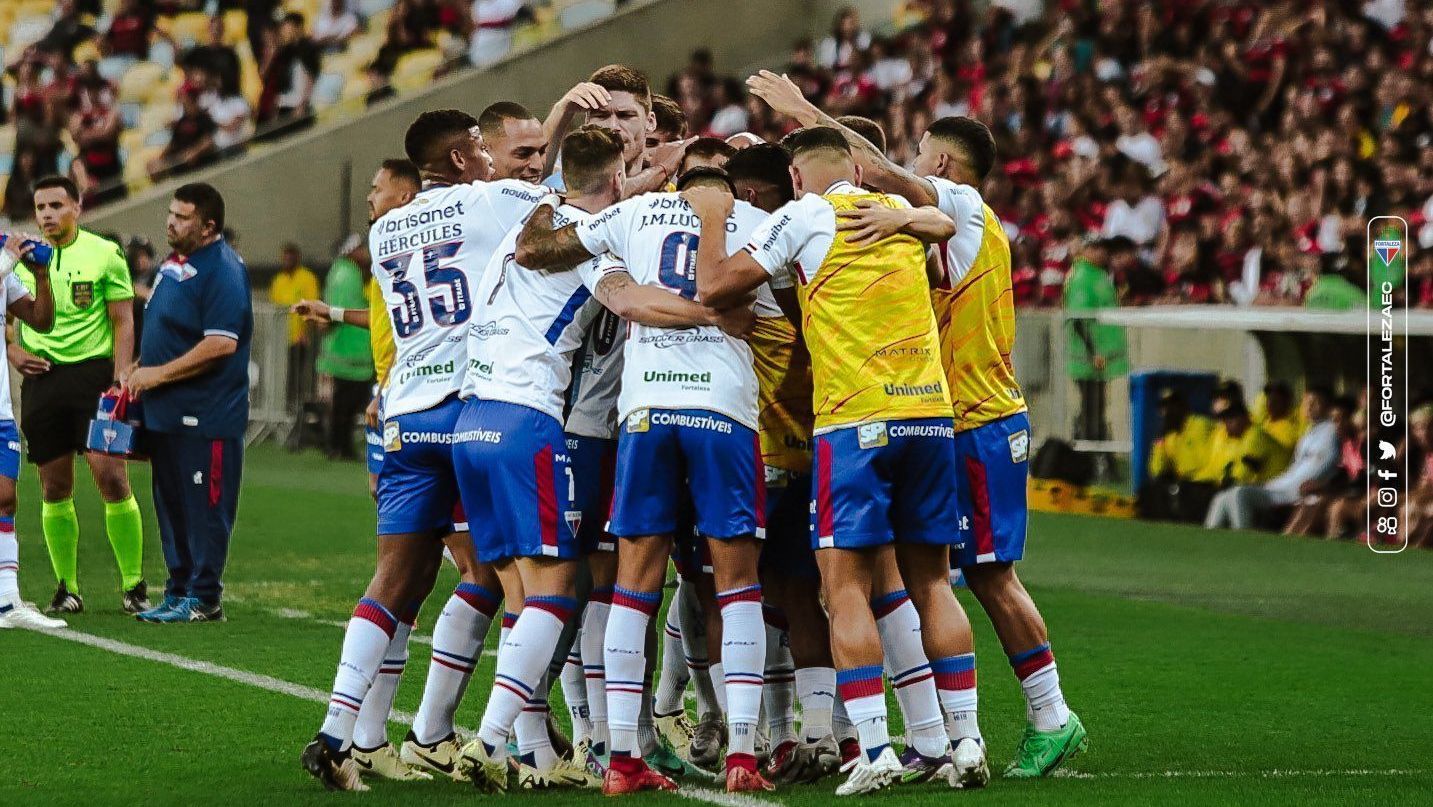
(1209, 667)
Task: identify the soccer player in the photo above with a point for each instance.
(426, 256)
(515, 140)
(977, 319)
(671, 121)
(36, 310)
(711, 152)
(688, 408)
(884, 440)
(619, 98)
(394, 185)
(510, 450)
(790, 579)
(63, 373)
(906, 664)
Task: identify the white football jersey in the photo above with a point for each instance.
(528, 324)
(964, 205)
(655, 236)
(13, 289)
(599, 381)
(427, 257)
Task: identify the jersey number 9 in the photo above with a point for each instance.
(678, 267)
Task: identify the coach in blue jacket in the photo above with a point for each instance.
(193, 382)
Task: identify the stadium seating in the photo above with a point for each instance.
(146, 90)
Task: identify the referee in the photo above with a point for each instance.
(193, 377)
(64, 372)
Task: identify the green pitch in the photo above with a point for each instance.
(1210, 668)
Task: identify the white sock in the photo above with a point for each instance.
(910, 673)
(457, 639)
(522, 665)
(1045, 703)
(955, 683)
(743, 658)
(574, 692)
(694, 644)
(364, 643)
(9, 562)
(816, 689)
(624, 652)
(509, 620)
(865, 698)
(371, 729)
(718, 675)
(594, 631)
(534, 745)
(778, 694)
(672, 682)
(841, 725)
(647, 740)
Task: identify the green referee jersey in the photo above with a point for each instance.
(85, 276)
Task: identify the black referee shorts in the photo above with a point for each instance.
(56, 408)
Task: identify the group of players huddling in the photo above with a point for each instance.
(784, 366)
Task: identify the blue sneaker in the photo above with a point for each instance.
(182, 612)
(157, 613)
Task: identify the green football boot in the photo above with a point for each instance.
(665, 761)
(1041, 752)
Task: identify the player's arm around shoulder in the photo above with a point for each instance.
(653, 305)
(542, 246)
(873, 221)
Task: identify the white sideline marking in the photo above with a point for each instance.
(209, 668)
(1270, 774)
(721, 798)
(300, 691)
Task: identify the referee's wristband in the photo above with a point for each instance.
(335, 314)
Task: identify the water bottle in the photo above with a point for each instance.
(41, 254)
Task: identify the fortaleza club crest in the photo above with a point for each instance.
(1387, 249)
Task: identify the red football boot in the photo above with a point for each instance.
(631, 775)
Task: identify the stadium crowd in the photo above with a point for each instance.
(256, 68)
(1227, 151)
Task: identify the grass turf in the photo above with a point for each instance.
(1209, 667)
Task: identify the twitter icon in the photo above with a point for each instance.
(1386, 450)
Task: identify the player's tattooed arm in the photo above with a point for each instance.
(541, 247)
(660, 308)
(782, 94)
(872, 221)
(722, 281)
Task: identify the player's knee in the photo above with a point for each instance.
(990, 579)
(113, 484)
(55, 490)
